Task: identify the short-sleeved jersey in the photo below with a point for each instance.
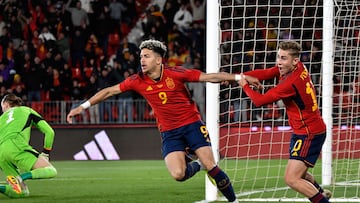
(299, 96)
(168, 97)
(17, 121)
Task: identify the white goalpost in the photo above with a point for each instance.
(251, 144)
(327, 101)
(212, 106)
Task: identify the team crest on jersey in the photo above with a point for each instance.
(170, 83)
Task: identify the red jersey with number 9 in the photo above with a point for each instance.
(168, 97)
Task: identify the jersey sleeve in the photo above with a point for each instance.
(193, 75)
(282, 90)
(128, 83)
(45, 128)
(185, 74)
(49, 133)
(264, 74)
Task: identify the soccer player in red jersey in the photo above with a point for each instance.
(296, 90)
(178, 118)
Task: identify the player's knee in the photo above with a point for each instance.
(290, 181)
(178, 175)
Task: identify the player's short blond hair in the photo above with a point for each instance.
(293, 47)
(155, 46)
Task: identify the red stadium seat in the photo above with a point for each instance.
(38, 106)
(88, 71)
(76, 73)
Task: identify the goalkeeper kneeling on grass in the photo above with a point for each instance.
(15, 152)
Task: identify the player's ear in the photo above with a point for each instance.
(158, 60)
(296, 60)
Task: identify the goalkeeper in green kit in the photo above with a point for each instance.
(18, 160)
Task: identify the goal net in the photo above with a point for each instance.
(254, 142)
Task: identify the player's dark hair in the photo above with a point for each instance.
(12, 100)
(292, 47)
(155, 46)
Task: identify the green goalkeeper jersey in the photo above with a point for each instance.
(17, 121)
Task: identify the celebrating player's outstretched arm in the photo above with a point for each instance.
(178, 118)
(224, 76)
(97, 98)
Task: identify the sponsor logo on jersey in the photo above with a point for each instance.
(149, 88)
(170, 83)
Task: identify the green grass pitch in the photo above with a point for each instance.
(125, 182)
(112, 181)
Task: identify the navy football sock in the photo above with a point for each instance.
(318, 198)
(223, 183)
(318, 187)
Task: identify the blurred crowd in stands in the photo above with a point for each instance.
(66, 50)
(251, 31)
(50, 49)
